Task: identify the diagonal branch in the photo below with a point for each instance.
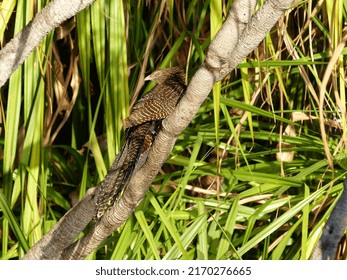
(51, 245)
(236, 39)
(19, 48)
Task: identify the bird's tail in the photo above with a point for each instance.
(123, 167)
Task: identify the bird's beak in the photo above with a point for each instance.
(149, 78)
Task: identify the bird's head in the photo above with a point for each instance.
(161, 76)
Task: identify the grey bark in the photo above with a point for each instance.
(51, 245)
(333, 230)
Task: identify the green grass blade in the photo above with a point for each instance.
(280, 221)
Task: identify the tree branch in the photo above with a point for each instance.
(18, 49)
(51, 245)
(219, 62)
(333, 230)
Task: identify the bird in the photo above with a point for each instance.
(162, 99)
(141, 128)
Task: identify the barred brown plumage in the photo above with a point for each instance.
(141, 126)
(121, 170)
(161, 100)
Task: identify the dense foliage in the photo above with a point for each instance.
(254, 176)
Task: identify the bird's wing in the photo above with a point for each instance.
(155, 105)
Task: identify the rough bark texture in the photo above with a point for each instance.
(19, 48)
(65, 231)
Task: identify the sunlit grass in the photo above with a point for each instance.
(222, 193)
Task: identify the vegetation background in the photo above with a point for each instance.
(254, 176)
